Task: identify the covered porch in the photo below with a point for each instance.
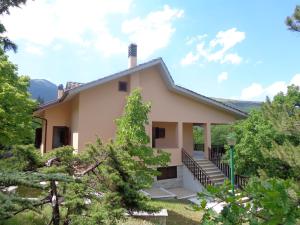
(172, 137)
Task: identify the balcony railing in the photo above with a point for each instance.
(216, 154)
(195, 169)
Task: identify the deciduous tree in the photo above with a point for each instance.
(16, 106)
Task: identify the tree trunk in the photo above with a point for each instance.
(54, 203)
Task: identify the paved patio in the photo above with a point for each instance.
(179, 193)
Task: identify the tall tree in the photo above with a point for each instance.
(268, 140)
(293, 22)
(5, 43)
(132, 137)
(16, 107)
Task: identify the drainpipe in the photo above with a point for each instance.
(45, 137)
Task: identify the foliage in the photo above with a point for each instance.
(5, 43)
(293, 22)
(218, 134)
(21, 158)
(198, 135)
(16, 107)
(268, 141)
(98, 185)
(265, 202)
(132, 138)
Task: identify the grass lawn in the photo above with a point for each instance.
(179, 211)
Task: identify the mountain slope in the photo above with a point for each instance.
(245, 106)
(44, 89)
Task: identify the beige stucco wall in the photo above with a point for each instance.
(93, 113)
(98, 109)
(169, 106)
(59, 115)
(170, 140)
(188, 142)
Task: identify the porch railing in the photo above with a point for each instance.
(195, 169)
(216, 156)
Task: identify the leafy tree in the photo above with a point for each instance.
(218, 134)
(132, 137)
(16, 107)
(263, 202)
(268, 141)
(293, 22)
(198, 135)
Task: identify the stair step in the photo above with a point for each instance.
(214, 176)
(221, 179)
(208, 167)
(218, 183)
(214, 172)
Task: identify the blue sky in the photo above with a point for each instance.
(229, 49)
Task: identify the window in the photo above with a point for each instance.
(38, 137)
(167, 172)
(160, 132)
(60, 137)
(122, 86)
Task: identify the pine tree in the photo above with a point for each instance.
(5, 43)
(293, 22)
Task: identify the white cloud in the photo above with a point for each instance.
(57, 47)
(191, 40)
(257, 92)
(190, 58)
(232, 58)
(43, 22)
(152, 32)
(296, 80)
(222, 77)
(253, 91)
(34, 50)
(217, 49)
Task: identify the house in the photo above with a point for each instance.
(84, 111)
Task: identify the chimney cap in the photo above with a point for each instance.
(132, 50)
(60, 87)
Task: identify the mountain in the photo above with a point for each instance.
(245, 106)
(43, 89)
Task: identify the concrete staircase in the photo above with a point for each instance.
(213, 172)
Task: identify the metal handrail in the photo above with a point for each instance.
(215, 156)
(195, 168)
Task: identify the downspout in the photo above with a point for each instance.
(45, 138)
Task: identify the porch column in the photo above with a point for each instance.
(43, 143)
(207, 138)
(180, 135)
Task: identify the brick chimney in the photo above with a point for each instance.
(132, 55)
(60, 91)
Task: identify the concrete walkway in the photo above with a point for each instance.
(160, 193)
(198, 155)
